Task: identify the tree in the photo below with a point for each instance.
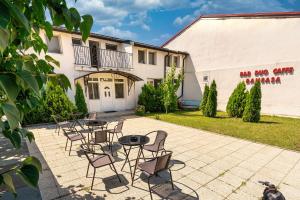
(80, 100)
(211, 105)
(253, 104)
(169, 89)
(237, 101)
(23, 74)
(204, 98)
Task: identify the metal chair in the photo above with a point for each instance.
(73, 136)
(60, 123)
(97, 160)
(155, 165)
(117, 130)
(158, 144)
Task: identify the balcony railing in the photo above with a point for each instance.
(102, 58)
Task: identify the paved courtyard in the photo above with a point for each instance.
(206, 166)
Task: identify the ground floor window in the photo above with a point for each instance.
(119, 88)
(154, 82)
(93, 88)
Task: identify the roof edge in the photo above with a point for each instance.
(258, 14)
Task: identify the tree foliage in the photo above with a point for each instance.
(80, 100)
(237, 101)
(211, 104)
(204, 98)
(23, 74)
(253, 104)
(169, 89)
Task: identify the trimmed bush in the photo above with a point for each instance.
(237, 101)
(204, 98)
(211, 105)
(80, 100)
(253, 104)
(151, 98)
(140, 110)
(57, 102)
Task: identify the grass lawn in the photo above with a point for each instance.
(278, 131)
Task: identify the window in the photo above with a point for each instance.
(168, 60)
(152, 58)
(76, 41)
(154, 82)
(205, 78)
(119, 88)
(176, 62)
(111, 47)
(141, 55)
(93, 88)
(150, 81)
(54, 45)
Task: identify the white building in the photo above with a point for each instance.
(244, 47)
(110, 70)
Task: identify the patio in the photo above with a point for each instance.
(205, 166)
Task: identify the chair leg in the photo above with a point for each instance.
(66, 144)
(87, 171)
(150, 187)
(70, 148)
(171, 179)
(114, 169)
(58, 130)
(93, 178)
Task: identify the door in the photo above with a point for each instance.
(94, 48)
(107, 96)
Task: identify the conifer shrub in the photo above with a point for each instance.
(253, 104)
(151, 98)
(80, 100)
(204, 98)
(237, 101)
(211, 105)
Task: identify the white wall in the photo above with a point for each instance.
(221, 48)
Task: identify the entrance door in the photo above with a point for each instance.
(107, 97)
(94, 46)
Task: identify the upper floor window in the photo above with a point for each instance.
(176, 62)
(76, 41)
(111, 47)
(152, 58)
(119, 88)
(168, 60)
(54, 45)
(141, 57)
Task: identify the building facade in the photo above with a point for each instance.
(110, 70)
(244, 47)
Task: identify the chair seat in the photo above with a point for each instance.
(75, 137)
(151, 147)
(102, 160)
(65, 123)
(148, 166)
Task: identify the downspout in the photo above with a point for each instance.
(182, 83)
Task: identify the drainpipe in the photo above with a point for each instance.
(182, 83)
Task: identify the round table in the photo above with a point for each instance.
(133, 141)
(96, 123)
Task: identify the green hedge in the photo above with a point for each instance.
(211, 105)
(204, 98)
(151, 98)
(237, 101)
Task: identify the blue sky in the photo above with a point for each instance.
(154, 21)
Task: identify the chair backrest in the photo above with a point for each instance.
(119, 126)
(92, 115)
(160, 139)
(87, 151)
(55, 118)
(162, 162)
(101, 136)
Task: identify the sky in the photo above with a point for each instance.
(155, 21)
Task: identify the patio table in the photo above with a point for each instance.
(128, 142)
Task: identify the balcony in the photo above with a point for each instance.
(102, 58)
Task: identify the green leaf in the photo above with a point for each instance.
(75, 18)
(27, 134)
(4, 39)
(31, 160)
(38, 9)
(8, 84)
(68, 19)
(60, 79)
(85, 26)
(4, 16)
(52, 60)
(17, 14)
(29, 174)
(48, 30)
(31, 82)
(9, 183)
(12, 113)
